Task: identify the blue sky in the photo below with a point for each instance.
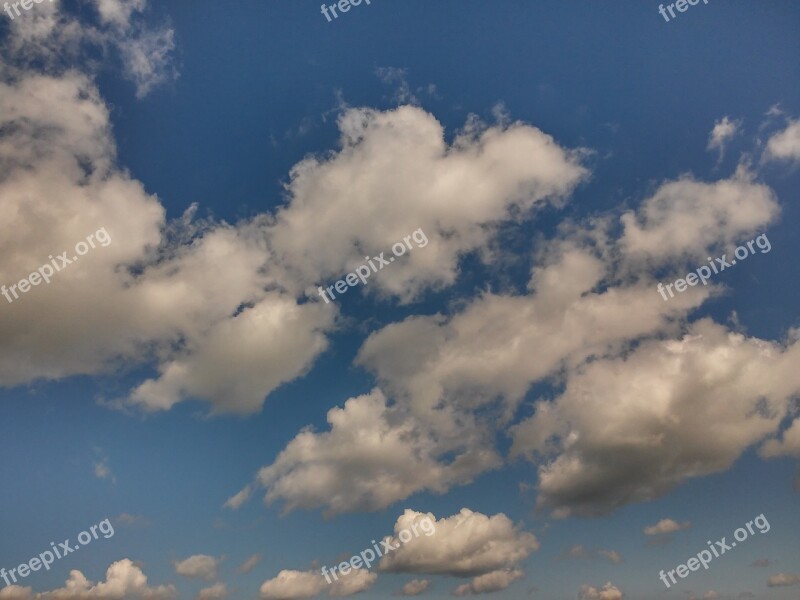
(562, 158)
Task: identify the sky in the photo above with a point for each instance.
(557, 370)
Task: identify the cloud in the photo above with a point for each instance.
(467, 544)
(762, 562)
(789, 445)
(395, 174)
(132, 520)
(666, 526)
(579, 551)
(490, 582)
(124, 580)
(686, 220)
(372, 456)
(298, 585)
(711, 595)
(605, 443)
(783, 580)
(415, 587)
(239, 498)
(607, 592)
(218, 591)
(198, 566)
(724, 129)
(249, 564)
(785, 145)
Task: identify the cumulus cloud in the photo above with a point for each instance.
(783, 580)
(605, 442)
(415, 587)
(298, 585)
(467, 544)
(372, 456)
(687, 220)
(666, 526)
(198, 566)
(490, 582)
(124, 581)
(607, 592)
(785, 145)
(395, 174)
(218, 591)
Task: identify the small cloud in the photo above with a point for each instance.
(711, 595)
(666, 526)
(198, 566)
(579, 551)
(101, 468)
(218, 591)
(397, 76)
(762, 562)
(415, 587)
(249, 564)
(607, 592)
(238, 499)
(783, 580)
(722, 132)
(132, 520)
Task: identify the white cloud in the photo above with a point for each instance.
(785, 145)
(124, 581)
(490, 582)
(783, 580)
(218, 591)
(372, 456)
(688, 220)
(607, 592)
(415, 587)
(467, 544)
(788, 445)
(630, 429)
(711, 595)
(723, 131)
(299, 585)
(395, 174)
(198, 566)
(666, 526)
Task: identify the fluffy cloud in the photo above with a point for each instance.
(490, 582)
(218, 591)
(199, 566)
(785, 145)
(666, 526)
(630, 429)
(298, 585)
(189, 295)
(372, 457)
(783, 580)
(607, 592)
(688, 220)
(467, 544)
(124, 581)
(395, 174)
(415, 587)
